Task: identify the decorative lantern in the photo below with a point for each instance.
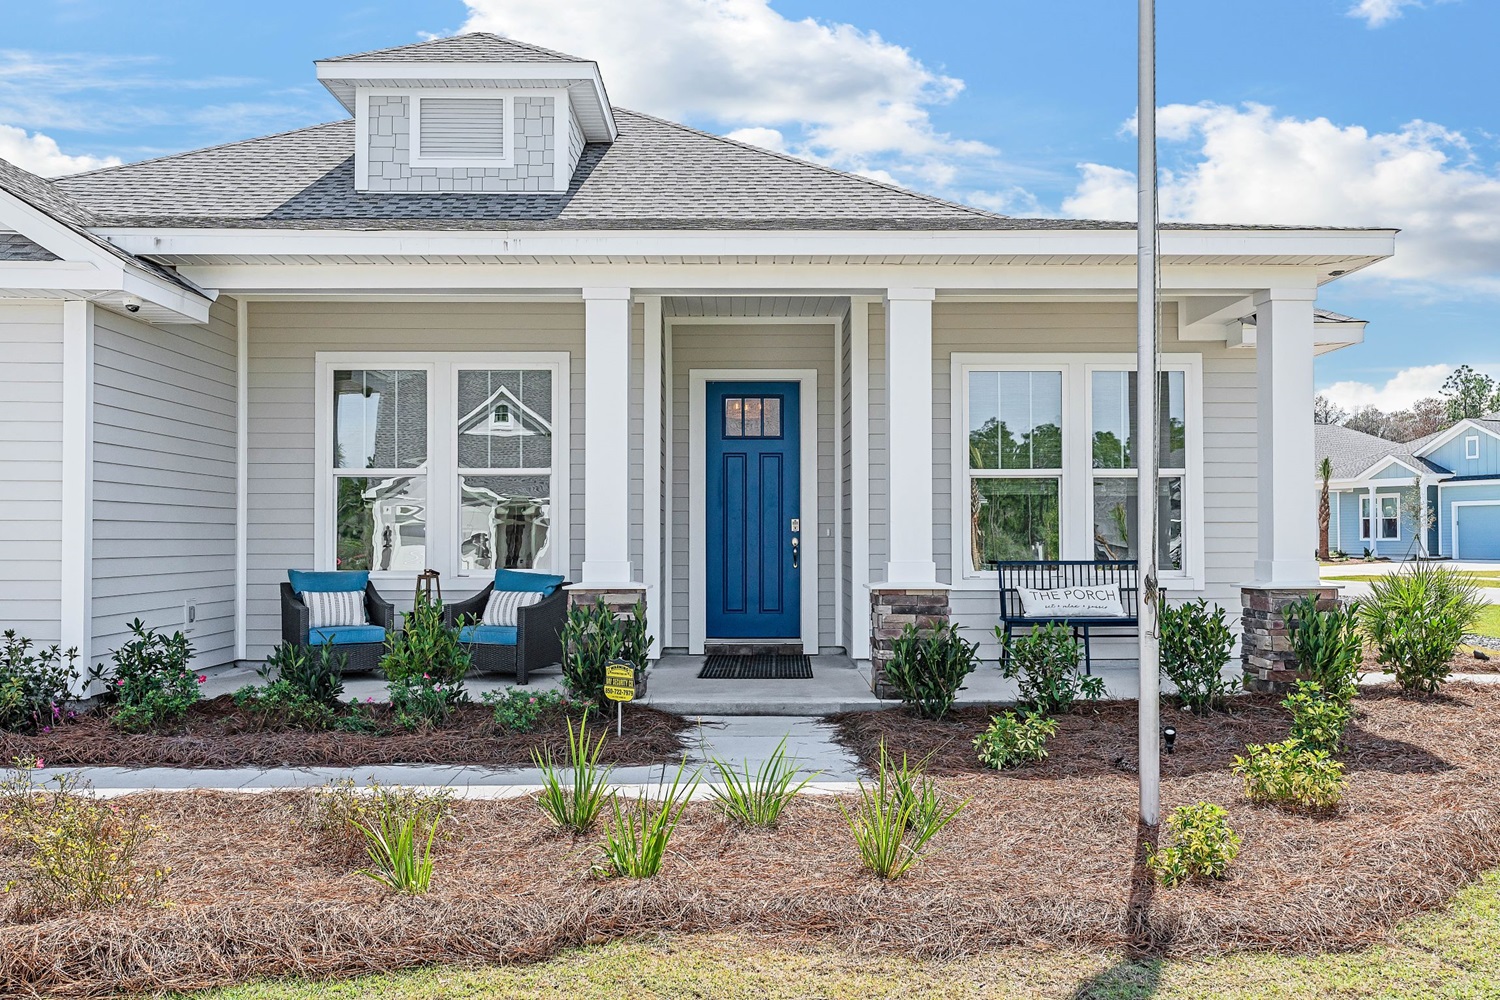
(427, 582)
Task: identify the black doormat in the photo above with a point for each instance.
(759, 667)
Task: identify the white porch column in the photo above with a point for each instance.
(76, 625)
(1374, 516)
(606, 437)
(1288, 536)
(908, 366)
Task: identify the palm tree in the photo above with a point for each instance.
(1325, 511)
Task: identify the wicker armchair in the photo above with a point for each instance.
(364, 657)
(538, 634)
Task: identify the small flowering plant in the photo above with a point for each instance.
(519, 710)
(424, 702)
(36, 683)
(150, 683)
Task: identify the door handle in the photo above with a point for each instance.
(796, 551)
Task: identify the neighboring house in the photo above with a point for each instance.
(493, 320)
(1436, 496)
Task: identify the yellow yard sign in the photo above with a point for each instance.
(619, 682)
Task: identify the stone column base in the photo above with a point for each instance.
(1265, 647)
(891, 610)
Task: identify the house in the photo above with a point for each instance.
(1437, 496)
(492, 320)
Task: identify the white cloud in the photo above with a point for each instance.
(825, 91)
(1378, 12)
(1397, 393)
(1248, 165)
(40, 154)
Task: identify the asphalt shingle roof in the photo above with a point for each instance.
(1355, 451)
(477, 46)
(15, 247)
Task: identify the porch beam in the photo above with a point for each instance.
(606, 437)
(1287, 514)
(908, 360)
(77, 571)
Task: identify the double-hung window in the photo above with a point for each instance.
(1046, 465)
(1387, 518)
(442, 462)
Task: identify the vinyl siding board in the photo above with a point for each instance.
(285, 338)
(31, 341)
(1454, 455)
(164, 479)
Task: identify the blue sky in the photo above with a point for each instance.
(1352, 112)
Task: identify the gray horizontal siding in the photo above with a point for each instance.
(164, 479)
(31, 469)
(285, 338)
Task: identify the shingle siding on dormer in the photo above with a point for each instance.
(1452, 455)
(533, 138)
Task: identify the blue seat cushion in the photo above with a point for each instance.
(521, 580)
(303, 580)
(489, 635)
(343, 635)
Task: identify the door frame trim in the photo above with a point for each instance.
(1453, 514)
(807, 501)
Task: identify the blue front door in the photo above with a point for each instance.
(754, 580)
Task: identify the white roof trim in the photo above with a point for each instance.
(1387, 462)
(1453, 432)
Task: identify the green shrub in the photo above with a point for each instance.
(574, 800)
(1328, 645)
(1291, 776)
(1013, 740)
(80, 852)
(426, 647)
(928, 669)
(423, 702)
(636, 838)
(893, 822)
(759, 799)
(35, 688)
(592, 637)
(1046, 660)
(1201, 845)
(1195, 645)
(283, 704)
(317, 672)
(519, 710)
(400, 859)
(1416, 618)
(151, 683)
(1318, 722)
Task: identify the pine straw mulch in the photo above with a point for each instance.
(1043, 856)
(217, 734)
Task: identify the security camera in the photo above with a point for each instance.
(132, 304)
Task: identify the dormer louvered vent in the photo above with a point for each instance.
(460, 131)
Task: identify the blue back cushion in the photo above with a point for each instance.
(303, 580)
(524, 582)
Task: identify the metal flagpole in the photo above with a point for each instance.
(1146, 409)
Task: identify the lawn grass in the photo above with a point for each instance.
(1482, 579)
(1489, 621)
(1453, 953)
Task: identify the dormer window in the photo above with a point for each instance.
(461, 131)
(1471, 447)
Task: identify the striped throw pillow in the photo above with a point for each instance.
(333, 608)
(504, 605)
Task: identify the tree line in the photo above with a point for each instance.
(1465, 395)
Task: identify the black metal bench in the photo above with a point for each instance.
(1053, 574)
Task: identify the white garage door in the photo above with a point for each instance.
(1477, 531)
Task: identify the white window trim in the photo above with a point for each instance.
(1369, 526)
(1471, 447)
(1074, 492)
(441, 469)
(507, 126)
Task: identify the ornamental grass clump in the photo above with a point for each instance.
(1013, 740)
(1416, 619)
(78, 852)
(151, 684)
(893, 822)
(1201, 845)
(1195, 645)
(1046, 661)
(341, 812)
(1328, 645)
(574, 795)
(759, 799)
(400, 850)
(928, 669)
(1291, 776)
(35, 687)
(636, 836)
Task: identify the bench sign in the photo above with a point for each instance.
(1097, 601)
(619, 682)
